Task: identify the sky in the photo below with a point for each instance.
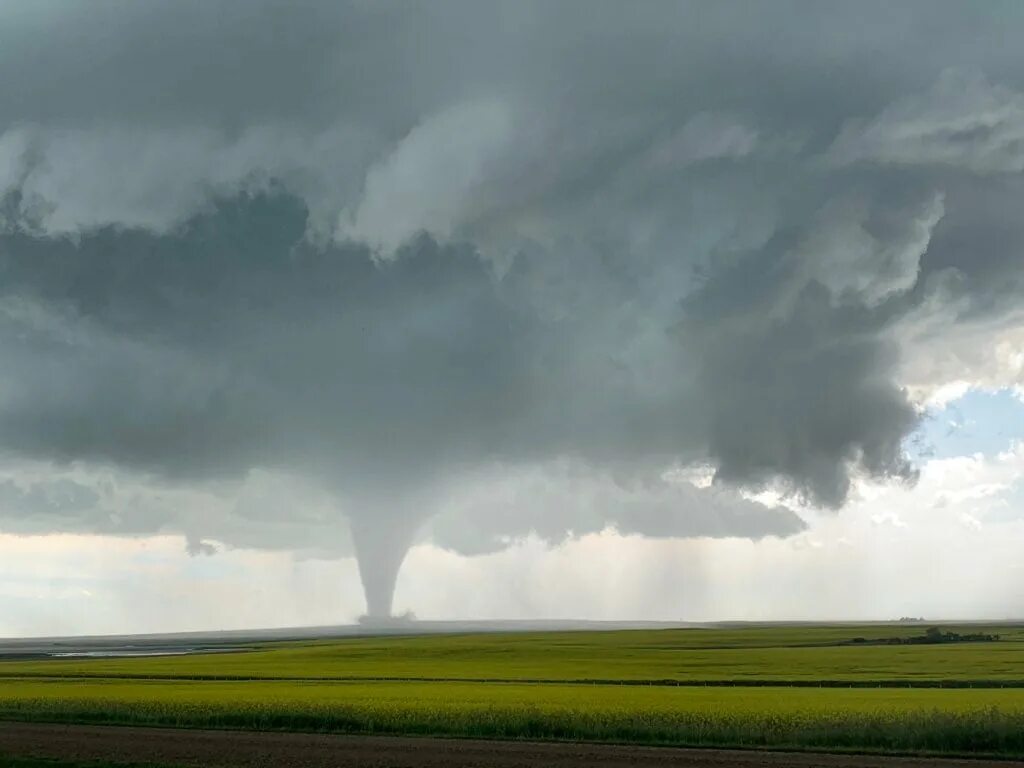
(676, 311)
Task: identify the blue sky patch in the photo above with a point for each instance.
(981, 421)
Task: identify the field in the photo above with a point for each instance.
(782, 687)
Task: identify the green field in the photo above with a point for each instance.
(797, 654)
(641, 688)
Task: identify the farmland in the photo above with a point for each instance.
(758, 654)
(754, 686)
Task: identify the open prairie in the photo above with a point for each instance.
(831, 687)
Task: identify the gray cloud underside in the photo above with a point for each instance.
(383, 247)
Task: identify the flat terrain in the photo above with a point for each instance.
(235, 749)
(817, 687)
(188, 642)
(751, 655)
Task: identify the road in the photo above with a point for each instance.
(247, 749)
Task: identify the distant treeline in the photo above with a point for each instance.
(934, 636)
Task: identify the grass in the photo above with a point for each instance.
(886, 719)
(339, 686)
(755, 655)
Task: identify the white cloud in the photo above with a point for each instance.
(945, 355)
(888, 518)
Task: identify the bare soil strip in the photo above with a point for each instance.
(247, 749)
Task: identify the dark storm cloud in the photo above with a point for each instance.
(386, 247)
(503, 504)
(47, 500)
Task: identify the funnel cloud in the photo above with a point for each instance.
(469, 272)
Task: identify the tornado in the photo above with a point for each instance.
(522, 303)
(384, 526)
(380, 551)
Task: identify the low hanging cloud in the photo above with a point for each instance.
(578, 245)
(502, 505)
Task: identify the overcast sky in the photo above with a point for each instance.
(570, 309)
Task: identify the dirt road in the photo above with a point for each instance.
(243, 749)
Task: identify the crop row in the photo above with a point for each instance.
(890, 719)
(565, 658)
(991, 731)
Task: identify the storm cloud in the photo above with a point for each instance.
(509, 268)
